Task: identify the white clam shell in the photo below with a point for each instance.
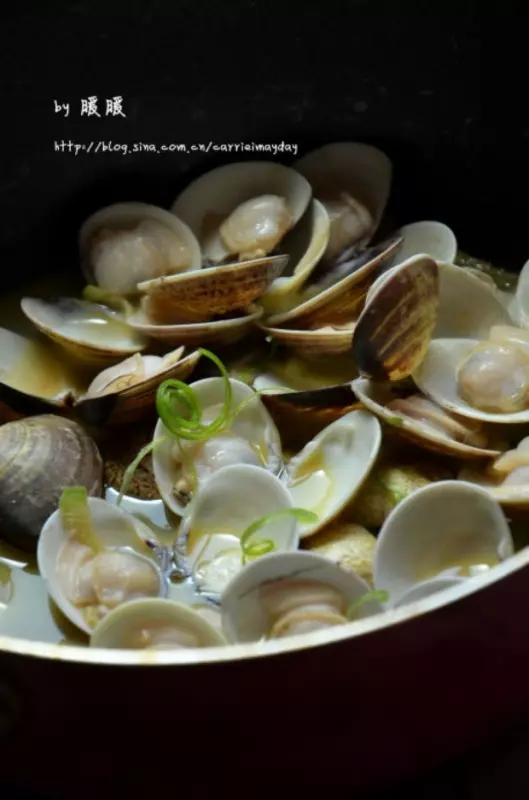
(372, 396)
(117, 628)
(114, 527)
(89, 331)
(433, 238)
(244, 619)
(433, 531)
(230, 501)
(125, 214)
(305, 245)
(518, 304)
(219, 192)
(254, 424)
(364, 171)
(221, 332)
(436, 377)
(339, 459)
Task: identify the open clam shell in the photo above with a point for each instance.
(448, 529)
(227, 504)
(38, 457)
(90, 332)
(199, 295)
(427, 588)
(437, 378)
(33, 377)
(221, 332)
(207, 203)
(518, 303)
(361, 170)
(253, 438)
(325, 476)
(62, 570)
(155, 623)
(313, 344)
(118, 266)
(273, 588)
(342, 301)
(392, 334)
(434, 239)
(304, 245)
(127, 392)
(375, 396)
(506, 479)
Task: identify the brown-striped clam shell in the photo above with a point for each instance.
(314, 344)
(393, 332)
(199, 295)
(220, 332)
(39, 456)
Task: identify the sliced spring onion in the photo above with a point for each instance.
(76, 518)
(352, 611)
(260, 547)
(133, 466)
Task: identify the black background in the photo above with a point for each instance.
(444, 93)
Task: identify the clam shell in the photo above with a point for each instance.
(69, 322)
(230, 501)
(211, 198)
(518, 304)
(436, 377)
(115, 529)
(217, 290)
(457, 317)
(39, 456)
(253, 423)
(434, 239)
(314, 344)
(392, 334)
(128, 403)
(434, 531)
(126, 214)
(328, 472)
(243, 617)
(374, 396)
(304, 245)
(427, 588)
(362, 170)
(341, 302)
(511, 496)
(222, 332)
(32, 376)
(129, 620)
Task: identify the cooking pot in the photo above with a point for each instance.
(442, 94)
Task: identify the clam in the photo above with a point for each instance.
(91, 332)
(329, 340)
(127, 243)
(487, 381)
(335, 297)
(328, 472)
(519, 302)
(221, 332)
(423, 422)
(234, 498)
(434, 239)
(305, 246)
(38, 456)
(154, 624)
(353, 181)
(127, 391)
(33, 377)
(251, 437)
(200, 295)
(451, 529)
(243, 210)
(93, 558)
(507, 478)
(392, 334)
(349, 545)
(285, 594)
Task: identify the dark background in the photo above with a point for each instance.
(444, 92)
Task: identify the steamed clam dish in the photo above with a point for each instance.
(268, 416)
